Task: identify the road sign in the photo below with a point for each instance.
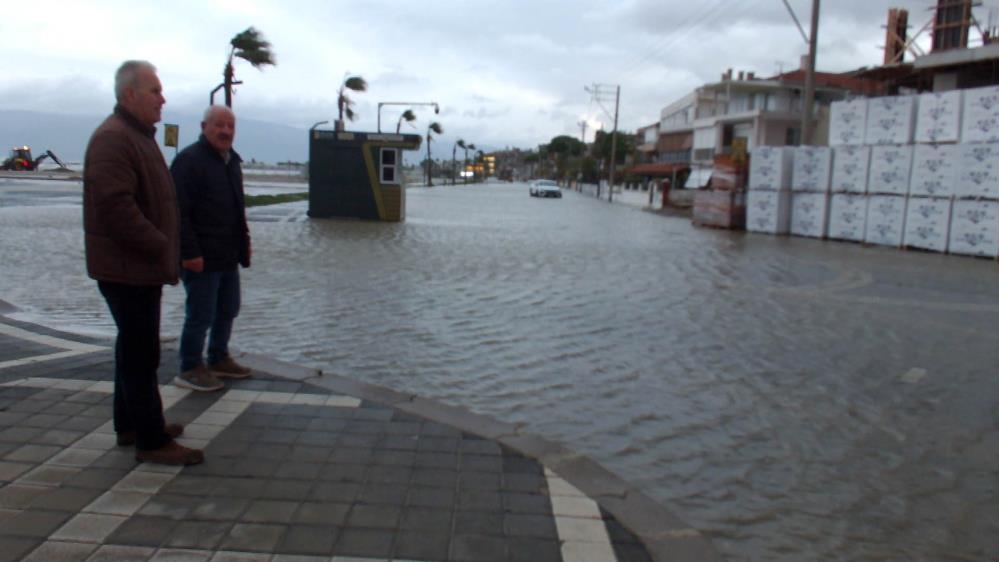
(171, 134)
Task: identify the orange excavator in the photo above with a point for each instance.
(20, 159)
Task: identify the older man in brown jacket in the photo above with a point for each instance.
(130, 221)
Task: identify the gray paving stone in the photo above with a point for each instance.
(521, 465)
(397, 442)
(374, 516)
(530, 526)
(410, 428)
(16, 548)
(389, 474)
(435, 444)
(192, 485)
(383, 494)
(57, 551)
(20, 496)
(435, 477)
(171, 506)
(46, 421)
(386, 457)
(472, 523)
(283, 436)
(431, 497)
(308, 454)
(32, 453)
(65, 499)
(97, 478)
(483, 481)
(356, 440)
(244, 488)
(316, 438)
(295, 490)
(49, 475)
(350, 456)
(426, 519)
(480, 447)
(119, 553)
(298, 471)
(474, 500)
(34, 523)
(631, 552)
(10, 471)
(20, 435)
(322, 513)
(537, 504)
(198, 534)
(253, 537)
(342, 492)
(6, 513)
(142, 531)
(437, 460)
(269, 511)
(477, 548)
(344, 473)
(370, 543)
(537, 550)
(528, 483)
(421, 546)
(219, 509)
(309, 539)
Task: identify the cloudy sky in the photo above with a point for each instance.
(505, 72)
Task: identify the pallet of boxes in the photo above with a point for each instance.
(919, 171)
(723, 204)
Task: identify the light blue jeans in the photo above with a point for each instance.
(213, 301)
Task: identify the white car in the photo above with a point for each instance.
(545, 188)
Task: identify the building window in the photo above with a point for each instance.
(389, 165)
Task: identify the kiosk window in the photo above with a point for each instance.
(388, 165)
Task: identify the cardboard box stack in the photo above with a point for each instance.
(768, 201)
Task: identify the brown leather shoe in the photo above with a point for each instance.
(171, 453)
(127, 438)
(229, 369)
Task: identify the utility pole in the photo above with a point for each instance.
(601, 93)
(582, 135)
(809, 101)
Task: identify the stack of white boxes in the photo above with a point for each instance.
(768, 202)
(920, 171)
(974, 227)
(811, 174)
(848, 206)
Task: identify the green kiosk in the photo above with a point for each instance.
(358, 175)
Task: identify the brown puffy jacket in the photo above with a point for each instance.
(130, 216)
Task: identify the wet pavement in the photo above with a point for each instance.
(789, 398)
(295, 470)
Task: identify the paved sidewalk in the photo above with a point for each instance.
(300, 466)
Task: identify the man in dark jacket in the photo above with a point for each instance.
(214, 241)
(130, 227)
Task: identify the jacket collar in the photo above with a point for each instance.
(133, 122)
(233, 155)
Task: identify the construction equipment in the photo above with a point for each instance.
(20, 159)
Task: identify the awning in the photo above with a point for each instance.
(698, 178)
(657, 169)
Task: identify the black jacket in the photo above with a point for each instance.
(212, 209)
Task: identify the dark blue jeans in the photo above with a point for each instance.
(212, 305)
(137, 403)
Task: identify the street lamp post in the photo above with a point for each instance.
(437, 108)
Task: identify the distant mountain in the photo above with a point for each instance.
(67, 135)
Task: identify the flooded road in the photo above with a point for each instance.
(794, 399)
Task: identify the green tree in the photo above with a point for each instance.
(407, 116)
(250, 46)
(564, 148)
(602, 148)
(343, 103)
(434, 127)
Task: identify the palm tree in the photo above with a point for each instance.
(407, 116)
(248, 45)
(434, 127)
(467, 148)
(343, 103)
(454, 160)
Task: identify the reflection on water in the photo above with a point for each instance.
(755, 385)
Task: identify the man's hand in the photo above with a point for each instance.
(196, 265)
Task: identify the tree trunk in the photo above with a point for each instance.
(228, 75)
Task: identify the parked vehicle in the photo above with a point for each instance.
(545, 188)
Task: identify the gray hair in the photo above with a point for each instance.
(208, 112)
(127, 76)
